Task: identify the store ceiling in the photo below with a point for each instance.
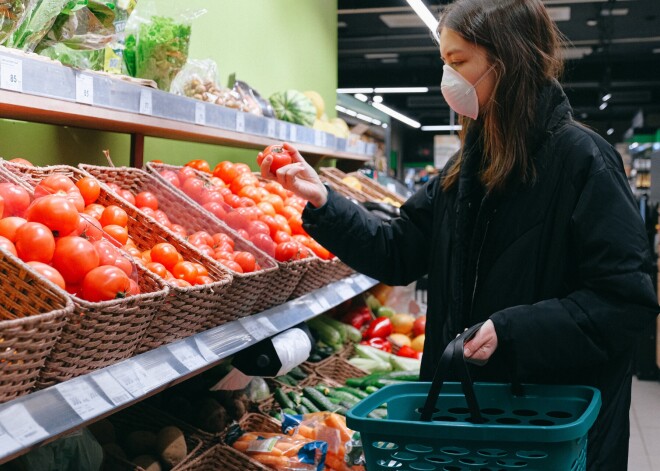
(614, 46)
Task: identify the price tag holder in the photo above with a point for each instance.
(132, 377)
(187, 355)
(11, 74)
(282, 131)
(7, 443)
(293, 133)
(160, 374)
(109, 385)
(85, 89)
(345, 291)
(146, 102)
(363, 282)
(259, 328)
(240, 121)
(83, 399)
(206, 352)
(18, 423)
(271, 128)
(314, 306)
(200, 114)
(320, 139)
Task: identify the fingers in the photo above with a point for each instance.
(484, 343)
(295, 155)
(287, 174)
(265, 168)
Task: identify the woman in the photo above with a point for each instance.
(531, 227)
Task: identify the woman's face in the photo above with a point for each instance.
(470, 61)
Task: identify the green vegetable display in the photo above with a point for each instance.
(38, 20)
(293, 106)
(11, 15)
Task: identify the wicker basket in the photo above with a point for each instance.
(35, 311)
(333, 177)
(289, 274)
(372, 187)
(273, 382)
(320, 273)
(147, 418)
(246, 288)
(225, 458)
(339, 370)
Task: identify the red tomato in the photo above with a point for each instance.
(118, 233)
(200, 164)
(157, 268)
(35, 242)
(258, 227)
(319, 250)
(185, 271)
(48, 272)
(180, 283)
(171, 177)
(281, 157)
(225, 171)
(217, 209)
(88, 228)
(281, 236)
(185, 173)
(276, 189)
(114, 215)
(104, 283)
(201, 269)
(200, 238)
(16, 199)
(211, 195)
(264, 242)
(166, 254)
(162, 218)
(127, 195)
(9, 225)
(95, 210)
(58, 184)
(134, 287)
(243, 179)
(7, 245)
(236, 220)
(179, 230)
(266, 208)
(74, 257)
(146, 199)
(194, 187)
(220, 238)
(125, 264)
(246, 260)
(89, 188)
(203, 280)
(232, 265)
(286, 251)
(18, 160)
(56, 212)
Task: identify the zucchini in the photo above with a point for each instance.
(323, 389)
(309, 404)
(275, 414)
(283, 400)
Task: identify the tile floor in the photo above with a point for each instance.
(644, 454)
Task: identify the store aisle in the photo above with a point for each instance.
(645, 426)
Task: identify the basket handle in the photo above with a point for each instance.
(453, 358)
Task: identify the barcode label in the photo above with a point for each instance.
(7, 443)
(259, 327)
(18, 423)
(160, 374)
(109, 385)
(11, 74)
(83, 399)
(85, 89)
(363, 282)
(187, 356)
(132, 377)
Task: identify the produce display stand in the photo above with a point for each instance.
(30, 421)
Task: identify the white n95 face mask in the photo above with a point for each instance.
(460, 94)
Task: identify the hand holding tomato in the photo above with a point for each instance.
(298, 176)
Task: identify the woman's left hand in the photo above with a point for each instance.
(484, 343)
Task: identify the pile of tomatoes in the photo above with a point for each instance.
(57, 235)
(262, 212)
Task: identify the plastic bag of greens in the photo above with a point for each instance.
(158, 43)
(82, 25)
(82, 59)
(12, 13)
(37, 21)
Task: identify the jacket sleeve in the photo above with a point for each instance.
(615, 298)
(395, 252)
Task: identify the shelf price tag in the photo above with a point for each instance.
(325, 305)
(7, 443)
(271, 130)
(146, 103)
(132, 377)
(83, 399)
(18, 423)
(259, 327)
(85, 89)
(293, 133)
(320, 139)
(240, 121)
(109, 385)
(187, 355)
(282, 131)
(363, 282)
(345, 291)
(200, 114)
(206, 352)
(160, 374)
(11, 74)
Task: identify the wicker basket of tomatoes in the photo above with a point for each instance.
(32, 314)
(112, 329)
(375, 189)
(333, 177)
(235, 203)
(253, 272)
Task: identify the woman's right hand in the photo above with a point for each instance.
(298, 177)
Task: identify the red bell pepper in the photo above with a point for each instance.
(357, 317)
(379, 327)
(379, 343)
(409, 352)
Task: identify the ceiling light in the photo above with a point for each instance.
(355, 114)
(396, 115)
(559, 13)
(614, 12)
(592, 22)
(361, 97)
(355, 90)
(341, 24)
(634, 145)
(569, 53)
(656, 50)
(384, 125)
(443, 127)
(603, 106)
(378, 99)
(425, 14)
(610, 131)
(401, 90)
(381, 55)
(607, 96)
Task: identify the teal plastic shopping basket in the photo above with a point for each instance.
(445, 426)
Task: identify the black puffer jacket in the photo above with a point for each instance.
(560, 267)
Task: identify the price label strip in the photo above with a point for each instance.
(282, 131)
(325, 305)
(345, 291)
(18, 423)
(11, 74)
(240, 121)
(363, 282)
(206, 352)
(320, 139)
(83, 399)
(132, 377)
(109, 385)
(85, 89)
(200, 114)
(259, 328)
(7, 443)
(159, 374)
(187, 356)
(293, 133)
(271, 130)
(146, 102)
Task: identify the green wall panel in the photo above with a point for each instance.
(271, 44)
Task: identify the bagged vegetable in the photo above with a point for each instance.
(82, 25)
(12, 13)
(293, 106)
(254, 102)
(279, 451)
(38, 19)
(91, 60)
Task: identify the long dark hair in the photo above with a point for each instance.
(524, 45)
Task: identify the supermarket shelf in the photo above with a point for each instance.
(43, 416)
(86, 99)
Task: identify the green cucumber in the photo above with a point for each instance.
(297, 373)
(302, 410)
(283, 400)
(309, 404)
(344, 397)
(402, 375)
(286, 379)
(295, 397)
(349, 332)
(321, 401)
(289, 411)
(326, 333)
(354, 391)
(371, 389)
